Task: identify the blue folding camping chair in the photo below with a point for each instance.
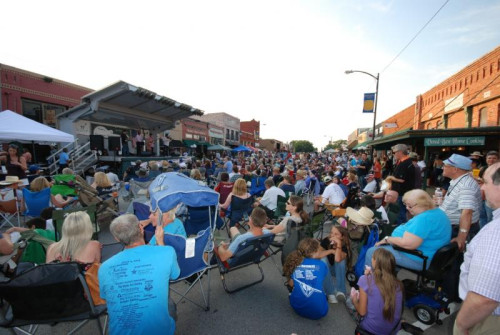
(166, 192)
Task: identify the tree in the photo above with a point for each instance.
(336, 144)
(302, 146)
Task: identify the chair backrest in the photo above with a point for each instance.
(190, 261)
(36, 201)
(257, 187)
(111, 249)
(251, 250)
(280, 206)
(294, 234)
(442, 261)
(200, 218)
(239, 208)
(59, 216)
(136, 186)
(8, 200)
(47, 292)
(141, 210)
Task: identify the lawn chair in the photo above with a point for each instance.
(47, 294)
(110, 249)
(280, 211)
(88, 196)
(239, 211)
(9, 207)
(35, 202)
(249, 252)
(59, 216)
(257, 187)
(198, 219)
(192, 256)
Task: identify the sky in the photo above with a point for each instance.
(281, 62)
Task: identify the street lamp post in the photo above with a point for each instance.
(376, 101)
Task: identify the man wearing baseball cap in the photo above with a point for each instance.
(461, 205)
(403, 177)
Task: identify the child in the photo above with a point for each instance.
(380, 297)
(39, 240)
(306, 275)
(339, 246)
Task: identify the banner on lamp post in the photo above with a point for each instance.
(369, 103)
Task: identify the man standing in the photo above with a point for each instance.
(362, 169)
(403, 177)
(228, 165)
(461, 205)
(124, 139)
(64, 160)
(135, 282)
(479, 276)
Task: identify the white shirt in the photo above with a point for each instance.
(463, 193)
(479, 271)
(113, 178)
(270, 198)
(370, 187)
(334, 194)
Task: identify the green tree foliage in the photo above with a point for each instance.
(335, 144)
(302, 146)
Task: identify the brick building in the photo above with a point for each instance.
(36, 96)
(250, 132)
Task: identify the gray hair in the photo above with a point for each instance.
(495, 173)
(125, 229)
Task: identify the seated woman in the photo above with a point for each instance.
(339, 244)
(427, 231)
(380, 297)
(306, 274)
(294, 206)
(103, 185)
(224, 187)
(58, 201)
(76, 242)
(239, 190)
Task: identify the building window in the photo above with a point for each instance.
(42, 112)
(466, 82)
(189, 136)
(227, 134)
(232, 135)
(236, 136)
(484, 72)
(483, 117)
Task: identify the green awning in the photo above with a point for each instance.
(189, 143)
(362, 145)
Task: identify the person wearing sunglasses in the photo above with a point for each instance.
(295, 207)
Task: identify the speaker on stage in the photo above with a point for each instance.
(114, 143)
(97, 142)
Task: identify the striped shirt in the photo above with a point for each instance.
(463, 193)
(479, 271)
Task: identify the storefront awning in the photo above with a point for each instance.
(129, 106)
(362, 146)
(189, 143)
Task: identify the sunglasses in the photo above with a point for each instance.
(288, 203)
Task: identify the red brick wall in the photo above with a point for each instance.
(403, 119)
(479, 83)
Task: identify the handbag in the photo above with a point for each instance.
(93, 283)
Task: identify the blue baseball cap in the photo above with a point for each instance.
(459, 161)
(33, 168)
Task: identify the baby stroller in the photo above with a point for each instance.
(87, 195)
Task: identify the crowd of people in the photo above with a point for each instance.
(465, 211)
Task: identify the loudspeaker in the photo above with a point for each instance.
(114, 143)
(96, 142)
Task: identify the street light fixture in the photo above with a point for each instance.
(377, 77)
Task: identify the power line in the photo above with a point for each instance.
(414, 37)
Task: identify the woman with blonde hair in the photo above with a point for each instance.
(195, 174)
(102, 184)
(380, 297)
(427, 231)
(76, 242)
(239, 190)
(40, 183)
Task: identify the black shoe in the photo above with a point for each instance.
(409, 328)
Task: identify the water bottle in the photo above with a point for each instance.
(439, 196)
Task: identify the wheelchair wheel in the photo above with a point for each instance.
(425, 314)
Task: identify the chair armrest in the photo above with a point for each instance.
(417, 253)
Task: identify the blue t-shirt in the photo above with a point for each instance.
(63, 158)
(432, 226)
(229, 166)
(134, 284)
(308, 298)
(175, 227)
(374, 321)
(243, 237)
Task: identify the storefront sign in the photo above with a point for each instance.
(454, 141)
(454, 103)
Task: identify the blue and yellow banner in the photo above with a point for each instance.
(369, 103)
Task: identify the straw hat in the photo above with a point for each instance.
(364, 216)
(9, 180)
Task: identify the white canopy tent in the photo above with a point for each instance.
(15, 127)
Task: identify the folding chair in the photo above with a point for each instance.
(192, 256)
(59, 216)
(198, 219)
(47, 294)
(239, 210)
(142, 212)
(280, 211)
(9, 207)
(257, 187)
(110, 249)
(35, 202)
(249, 252)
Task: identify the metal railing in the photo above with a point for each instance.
(81, 157)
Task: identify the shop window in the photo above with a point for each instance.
(42, 112)
(189, 136)
(483, 117)
(32, 110)
(228, 134)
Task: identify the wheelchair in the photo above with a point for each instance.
(425, 295)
